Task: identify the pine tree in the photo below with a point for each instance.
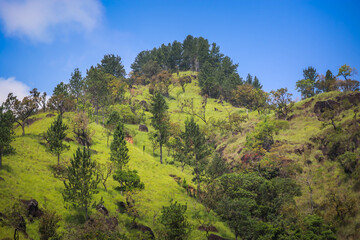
(256, 83)
(160, 119)
(119, 151)
(6, 131)
(195, 146)
(55, 136)
(82, 181)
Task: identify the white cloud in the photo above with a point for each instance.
(38, 19)
(12, 85)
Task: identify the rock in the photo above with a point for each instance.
(102, 209)
(2, 179)
(354, 99)
(215, 237)
(143, 128)
(299, 150)
(322, 106)
(50, 115)
(145, 229)
(32, 207)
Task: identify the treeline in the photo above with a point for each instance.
(217, 73)
(315, 83)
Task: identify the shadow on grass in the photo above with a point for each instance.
(6, 168)
(77, 218)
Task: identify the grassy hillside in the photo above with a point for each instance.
(28, 173)
(298, 152)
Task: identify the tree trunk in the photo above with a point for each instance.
(23, 128)
(86, 213)
(198, 185)
(58, 159)
(161, 153)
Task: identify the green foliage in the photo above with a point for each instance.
(6, 131)
(316, 229)
(160, 119)
(195, 149)
(76, 84)
(119, 151)
(248, 96)
(55, 136)
(282, 102)
(175, 221)
(262, 136)
(22, 110)
(217, 167)
(111, 64)
(82, 181)
(252, 204)
(129, 180)
(48, 224)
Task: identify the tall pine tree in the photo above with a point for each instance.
(82, 181)
(55, 136)
(119, 151)
(160, 119)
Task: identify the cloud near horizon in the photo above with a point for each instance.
(38, 19)
(12, 85)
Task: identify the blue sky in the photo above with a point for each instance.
(42, 41)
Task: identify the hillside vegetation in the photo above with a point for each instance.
(183, 148)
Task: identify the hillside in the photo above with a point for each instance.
(28, 173)
(300, 151)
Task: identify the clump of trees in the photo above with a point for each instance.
(314, 83)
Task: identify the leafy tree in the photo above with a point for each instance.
(76, 85)
(111, 64)
(22, 110)
(160, 119)
(306, 86)
(262, 136)
(141, 59)
(282, 102)
(150, 69)
(119, 151)
(326, 83)
(111, 124)
(346, 71)
(61, 89)
(82, 181)
(55, 136)
(129, 180)
(175, 222)
(81, 129)
(248, 96)
(6, 131)
(97, 86)
(217, 167)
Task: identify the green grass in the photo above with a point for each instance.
(28, 172)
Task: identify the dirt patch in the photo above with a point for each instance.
(145, 229)
(129, 139)
(215, 237)
(50, 115)
(210, 228)
(322, 106)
